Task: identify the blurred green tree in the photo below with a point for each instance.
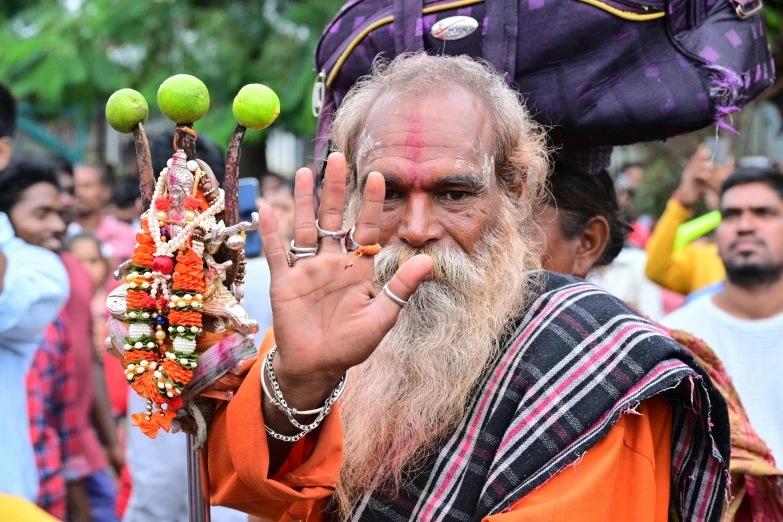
(65, 53)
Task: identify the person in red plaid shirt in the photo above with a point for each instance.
(54, 423)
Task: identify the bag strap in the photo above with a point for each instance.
(499, 43)
(407, 19)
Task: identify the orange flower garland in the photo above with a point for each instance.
(165, 286)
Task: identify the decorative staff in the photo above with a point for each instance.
(177, 323)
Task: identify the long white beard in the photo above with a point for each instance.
(414, 389)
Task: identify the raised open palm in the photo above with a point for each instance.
(328, 318)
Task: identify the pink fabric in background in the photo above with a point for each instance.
(671, 300)
(119, 236)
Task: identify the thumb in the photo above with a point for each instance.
(402, 285)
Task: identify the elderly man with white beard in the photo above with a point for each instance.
(479, 387)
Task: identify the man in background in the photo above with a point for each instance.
(743, 322)
(93, 186)
(33, 289)
(126, 201)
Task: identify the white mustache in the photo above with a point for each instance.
(452, 266)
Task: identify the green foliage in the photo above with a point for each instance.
(59, 54)
(773, 15)
(662, 175)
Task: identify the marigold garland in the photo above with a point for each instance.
(186, 318)
(177, 372)
(136, 299)
(136, 356)
(163, 300)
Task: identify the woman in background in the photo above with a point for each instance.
(110, 395)
(87, 249)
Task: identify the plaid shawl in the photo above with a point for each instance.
(757, 483)
(577, 359)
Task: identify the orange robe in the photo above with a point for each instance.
(625, 477)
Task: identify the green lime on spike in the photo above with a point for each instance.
(256, 106)
(183, 99)
(125, 109)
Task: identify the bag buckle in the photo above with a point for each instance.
(318, 93)
(744, 15)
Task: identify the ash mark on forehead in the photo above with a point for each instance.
(487, 165)
(367, 144)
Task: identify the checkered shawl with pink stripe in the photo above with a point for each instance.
(577, 359)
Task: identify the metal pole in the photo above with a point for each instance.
(199, 506)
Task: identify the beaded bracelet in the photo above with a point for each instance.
(279, 402)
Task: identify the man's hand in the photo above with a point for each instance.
(328, 318)
(695, 177)
(116, 457)
(78, 502)
(718, 174)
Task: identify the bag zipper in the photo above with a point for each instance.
(635, 13)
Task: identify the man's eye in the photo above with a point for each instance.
(392, 195)
(456, 195)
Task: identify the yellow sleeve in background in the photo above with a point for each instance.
(665, 267)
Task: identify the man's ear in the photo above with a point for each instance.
(6, 150)
(592, 243)
(516, 190)
(106, 195)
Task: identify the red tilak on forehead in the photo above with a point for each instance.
(413, 140)
(413, 145)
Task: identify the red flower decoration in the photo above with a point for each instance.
(175, 403)
(191, 203)
(163, 264)
(150, 302)
(161, 204)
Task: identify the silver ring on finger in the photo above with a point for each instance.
(348, 244)
(338, 234)
(292, 257)
(303, 250)
(400, 301)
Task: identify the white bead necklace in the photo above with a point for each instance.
(168, 248)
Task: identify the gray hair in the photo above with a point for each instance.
(520, 151)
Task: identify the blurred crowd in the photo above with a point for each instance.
(64, 228)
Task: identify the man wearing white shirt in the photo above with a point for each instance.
(743, 323)
(33, 289)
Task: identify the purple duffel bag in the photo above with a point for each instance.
(601, 73)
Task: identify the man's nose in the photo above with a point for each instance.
(746, 224)
(419, 224)
(56, 224)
